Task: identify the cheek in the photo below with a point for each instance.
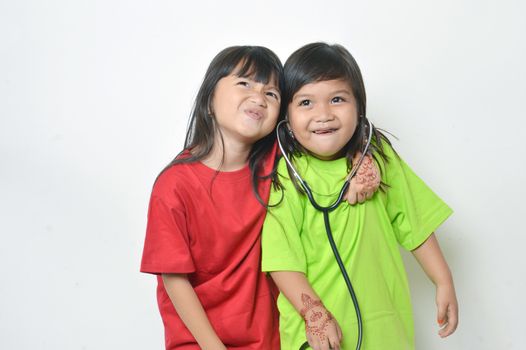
(353, 122)
(294, 119)
(274, 112)
(215, 103)
(354, 127)
(294, 125)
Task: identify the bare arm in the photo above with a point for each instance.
(432, 261)
(321, 328)
(191, 311)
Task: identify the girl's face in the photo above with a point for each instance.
(245, 110)
(323, 117)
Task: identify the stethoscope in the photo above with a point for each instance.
(326, 211)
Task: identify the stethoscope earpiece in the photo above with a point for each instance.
(291, 134)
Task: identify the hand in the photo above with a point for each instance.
(447, 309)
(365, 183)
(322, 330)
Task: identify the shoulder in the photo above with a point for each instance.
(396, 173)
(173, 180)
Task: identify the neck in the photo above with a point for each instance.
(233, 156)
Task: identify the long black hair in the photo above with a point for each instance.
(257, 62)
(320, 62)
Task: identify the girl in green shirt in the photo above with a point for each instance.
(326, 129)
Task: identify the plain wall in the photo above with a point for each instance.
(94, 100)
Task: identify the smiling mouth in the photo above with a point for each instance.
(324, 131)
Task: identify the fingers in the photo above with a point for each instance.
(329, 343)
(333, 337)
(328, 340)
(335, 345)
(314, 342)
(451, 322)
(355, 196)
(352, 196)
(362, 196)
(441, 314)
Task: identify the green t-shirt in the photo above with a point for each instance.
(367, 235)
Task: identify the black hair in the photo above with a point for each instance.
(260, 64)
(320, 62)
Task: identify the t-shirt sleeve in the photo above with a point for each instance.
(167, 242)
(414, 209)
(282, 249)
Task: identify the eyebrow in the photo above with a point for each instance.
(337, 92)
(270, 85)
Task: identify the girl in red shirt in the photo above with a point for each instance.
(205, 214)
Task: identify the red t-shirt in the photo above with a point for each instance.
(207, 224)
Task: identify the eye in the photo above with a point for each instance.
(273, 94)
(337, 99)
(305, 103)
(243, 83)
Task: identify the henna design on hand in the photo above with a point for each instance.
(367, 174)
(317, 317)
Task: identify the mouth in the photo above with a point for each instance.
(324, 131)
(254, 113)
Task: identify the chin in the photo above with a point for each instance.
(330, 155)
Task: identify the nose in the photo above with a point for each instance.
(258, 97)
(323, 113)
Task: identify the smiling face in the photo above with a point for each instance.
(245, 110)
(323, 117)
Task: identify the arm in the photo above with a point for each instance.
(432, 261)
(321, 328)
(191, 311)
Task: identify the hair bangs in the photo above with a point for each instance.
(316, 64)
(257, 66)
(327, 66)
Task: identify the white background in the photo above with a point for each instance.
(94, 100)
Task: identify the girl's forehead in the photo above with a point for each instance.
(262, 73)
(270, 80)
(325, 86)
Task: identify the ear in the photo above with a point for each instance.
(210, 106)
(210, 111)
